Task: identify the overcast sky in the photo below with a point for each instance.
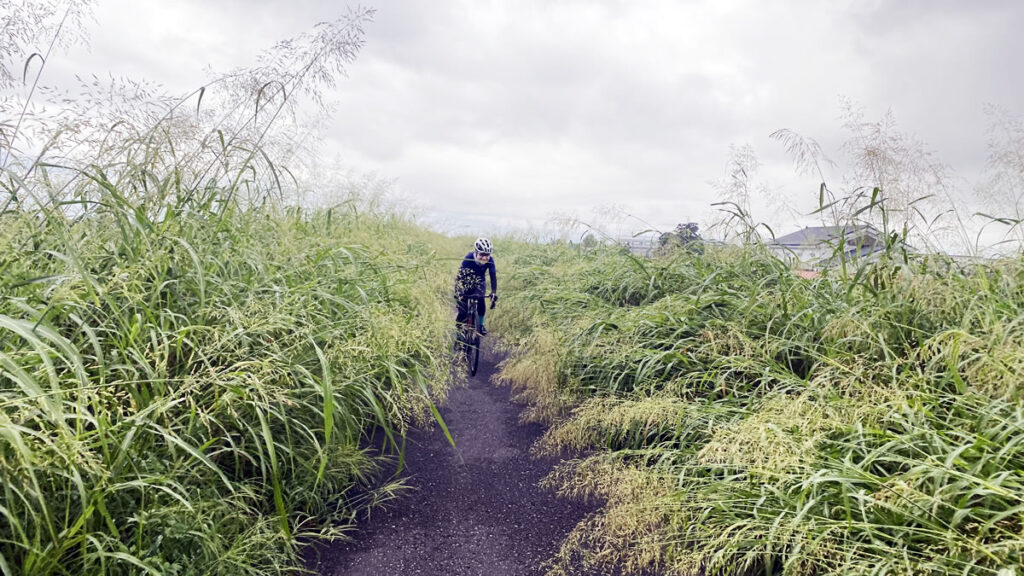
(500, 114)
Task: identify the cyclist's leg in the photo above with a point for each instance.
(481, 308)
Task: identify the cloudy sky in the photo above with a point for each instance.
(493, 114)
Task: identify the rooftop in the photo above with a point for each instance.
(810, 236)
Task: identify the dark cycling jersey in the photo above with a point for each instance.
(471, 280)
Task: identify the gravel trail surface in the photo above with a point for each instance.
(476, 509)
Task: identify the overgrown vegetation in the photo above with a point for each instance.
(193, 361)
(195, 369)
(191, 393)
(739, 419)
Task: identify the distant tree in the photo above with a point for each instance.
(686, 236)
(589, 241)
(688, 232)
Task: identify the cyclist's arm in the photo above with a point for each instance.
(493, 270)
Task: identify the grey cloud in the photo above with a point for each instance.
(460, 80)
(937, 63)
(559, 106)
(528, 89)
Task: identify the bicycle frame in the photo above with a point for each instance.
(468, 338)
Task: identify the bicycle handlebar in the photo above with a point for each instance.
(491, 297)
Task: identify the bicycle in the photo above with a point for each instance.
(467, 338)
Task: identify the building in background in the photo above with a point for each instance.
(817, 246)
(642, 246)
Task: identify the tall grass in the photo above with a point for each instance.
(197, 373)
(193, 392)
(738, 419)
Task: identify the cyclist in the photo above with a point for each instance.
(470, 281)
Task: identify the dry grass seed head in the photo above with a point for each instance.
(601, 421)
(630, 532)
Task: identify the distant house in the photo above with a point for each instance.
(640, 246)
(814, 246)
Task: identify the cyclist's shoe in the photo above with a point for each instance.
(482, 331)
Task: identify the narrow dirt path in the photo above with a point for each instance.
(476, 509)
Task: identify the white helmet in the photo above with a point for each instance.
(483, 246)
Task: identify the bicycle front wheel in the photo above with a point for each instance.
(473, 354)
